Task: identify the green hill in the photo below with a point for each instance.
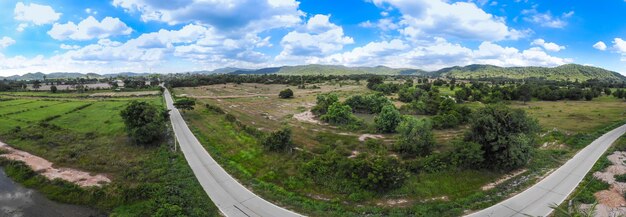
(569, 72)
(333, 70)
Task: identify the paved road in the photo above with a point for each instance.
(555, 188)
(232, 198)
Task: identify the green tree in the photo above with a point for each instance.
(339, 114)
(416, 137)
(53, 89)
(145, 123)
(323, 102)
(506, 135)
(378, 173)
(286, 94)
(185, 103)
(388, 119)
(524, 92)
(279, 140)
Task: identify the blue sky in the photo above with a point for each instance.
(187, 35)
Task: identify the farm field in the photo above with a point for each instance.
(88, 134)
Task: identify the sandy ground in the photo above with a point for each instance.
(364, 137)
(502, 180)
(612, 202)
(306, 116)
(124, 94)
(45, 168)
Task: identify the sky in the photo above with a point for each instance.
(110, 36)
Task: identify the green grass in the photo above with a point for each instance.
(43, 113)
(102, 118)
(36, 105)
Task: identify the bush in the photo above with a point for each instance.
(416, 137)
(620, 178)
(286, 94)
(388, 119)
(339, 114)
(279, 140)
(185, 103)
(323, 102)
(370, 104)
(467, 155)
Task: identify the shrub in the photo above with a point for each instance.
(323, 102)
(388, 119)
(467, 155)
(145, 123)
(416, 137)
(286, 94)
(339, 114)
(371, 104)
(620, 178)
(279, 140)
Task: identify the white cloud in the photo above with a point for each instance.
(226, 15)
(620, 45)
(5, 42)
(69, 47)
(463, 20)
(89, 28)
(546, 19)
(35, 13)
(549, 46)
(384, 24)
(318, 37)
(600, 46)
(439, 53)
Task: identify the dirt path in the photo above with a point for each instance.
(503, 179)
(45, 168)
(612, 202)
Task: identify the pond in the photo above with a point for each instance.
(17, 201)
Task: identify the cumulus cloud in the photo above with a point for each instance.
(89, 28)
(6, 41)
(440, 53)
(226, 15)
(69, 47)
(549, 46)
(462, 20)
(546, 19)
(600, 46)
(318, 37)
(35, 13)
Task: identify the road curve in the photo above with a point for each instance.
(232, 198)
(554, 189)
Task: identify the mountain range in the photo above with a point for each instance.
(569, 72)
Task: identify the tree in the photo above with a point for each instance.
(607, 91)
(339, 114)
(185, 103)
(279, 140)
(388, 119)
(374, 81)
(145, 123)
(323, 102)
(378, 173)
(416, 137)
(286, 94)
(524, 93)
(506, 135)
(53, 89)
(37, 84)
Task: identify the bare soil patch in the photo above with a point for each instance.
(45, 168)
(306, 116)
(125, 94)
(503, 179)
(364, 137)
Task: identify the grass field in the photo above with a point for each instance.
(88, 134)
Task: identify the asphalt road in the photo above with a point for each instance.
(232, 198)
(554, 189)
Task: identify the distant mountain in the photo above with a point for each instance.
(56, 75)
(226, 70)
(332, 70)
(566, 72)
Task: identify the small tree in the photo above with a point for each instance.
(145, 123)
(467, 155)
(416, 137)
(286, 94)
(185, 103)
(506, 135)
(53, 89)
(388, 119)
(279, 140)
